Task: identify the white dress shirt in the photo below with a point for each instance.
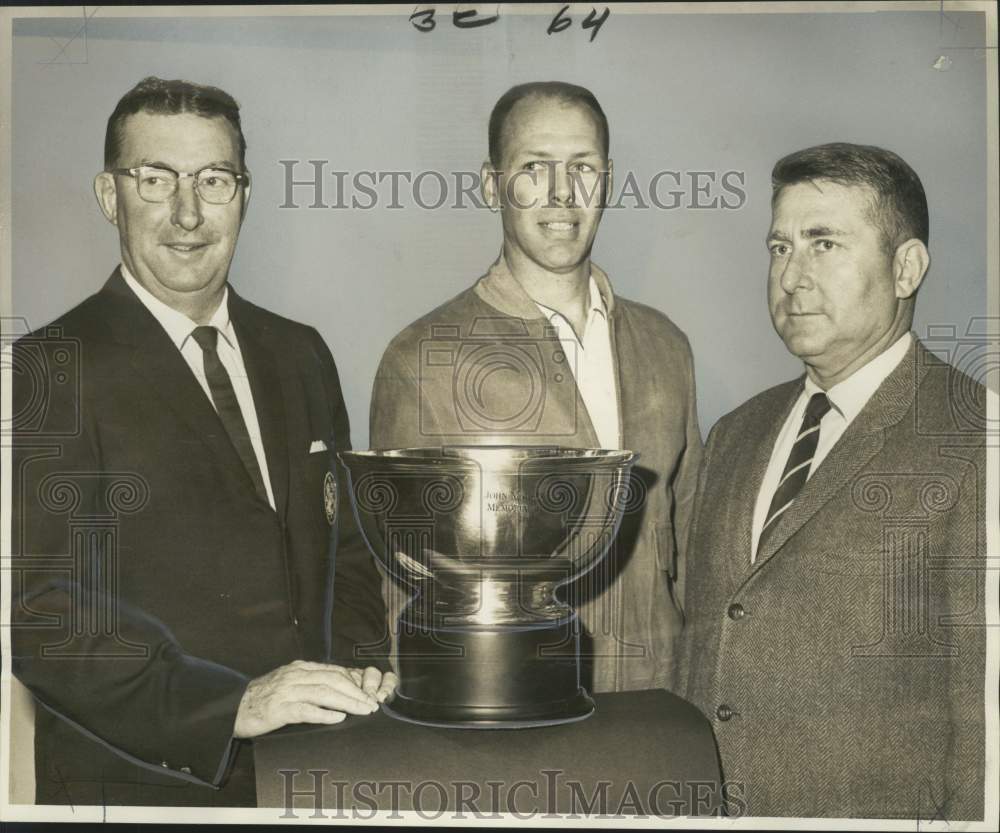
(592, 365)
(179, 328)
(847, 398)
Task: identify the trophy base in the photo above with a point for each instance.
(502, 677)
(486, 717)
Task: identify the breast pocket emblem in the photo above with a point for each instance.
(330, 497)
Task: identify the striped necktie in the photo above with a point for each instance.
(228, 406)
(796, 472)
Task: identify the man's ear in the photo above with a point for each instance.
(489, 185)
(246, 201)
(909, 265)
(107, 195)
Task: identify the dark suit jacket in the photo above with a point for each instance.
(435, 387)
(150, 582)
(844, 671)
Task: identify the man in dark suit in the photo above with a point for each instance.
(541, 351)
(177, 499)
(835, 625)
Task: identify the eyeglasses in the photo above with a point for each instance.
(214, 185)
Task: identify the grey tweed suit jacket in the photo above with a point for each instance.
(844, 670)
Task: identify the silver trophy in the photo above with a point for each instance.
(482, 537)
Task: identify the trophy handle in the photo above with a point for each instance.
(594, 533)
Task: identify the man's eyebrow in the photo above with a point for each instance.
(810, 233)
(156, 163)
(544, 153)
(822, 231)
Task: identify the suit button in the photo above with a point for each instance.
(736, 611)
(186, 770)
(295, 622)
(164, 763)
(724, 713)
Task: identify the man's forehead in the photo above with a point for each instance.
(551, 119)
(803, 202)
(146, 133)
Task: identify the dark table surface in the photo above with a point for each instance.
(641, 752)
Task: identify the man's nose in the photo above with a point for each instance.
(796, 273)
(187, 206)
(561, 188)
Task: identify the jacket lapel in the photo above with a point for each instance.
(565, 413)
(851, 453)
(265, 385)
(630, 395)
(747, 475)
(155, 358)
(862, 440)
(158, 364)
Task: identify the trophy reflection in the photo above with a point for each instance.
(482, 537)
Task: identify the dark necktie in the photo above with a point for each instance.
(796, 472)
(227, 405)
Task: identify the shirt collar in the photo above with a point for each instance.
(177, 325)
(596, 303)
(851, 395)
(501, 290)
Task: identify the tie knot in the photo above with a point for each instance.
(818, 407)
(207, 337)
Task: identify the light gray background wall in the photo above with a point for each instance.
(682, 92)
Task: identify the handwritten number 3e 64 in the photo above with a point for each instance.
(423, 20)
(563, 21)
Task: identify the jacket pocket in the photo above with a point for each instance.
(664, 542)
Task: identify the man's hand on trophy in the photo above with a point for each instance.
(309, 692)
(374, 682)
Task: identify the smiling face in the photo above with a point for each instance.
(179, 250)
(550, 186)
(837, 298)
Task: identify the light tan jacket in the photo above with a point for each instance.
(434, 387)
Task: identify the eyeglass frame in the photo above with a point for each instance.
(243, 177)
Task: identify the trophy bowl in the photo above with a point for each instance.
(478, 539)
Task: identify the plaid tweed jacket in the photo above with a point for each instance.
(844, 670)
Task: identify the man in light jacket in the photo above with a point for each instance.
(540, 351)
